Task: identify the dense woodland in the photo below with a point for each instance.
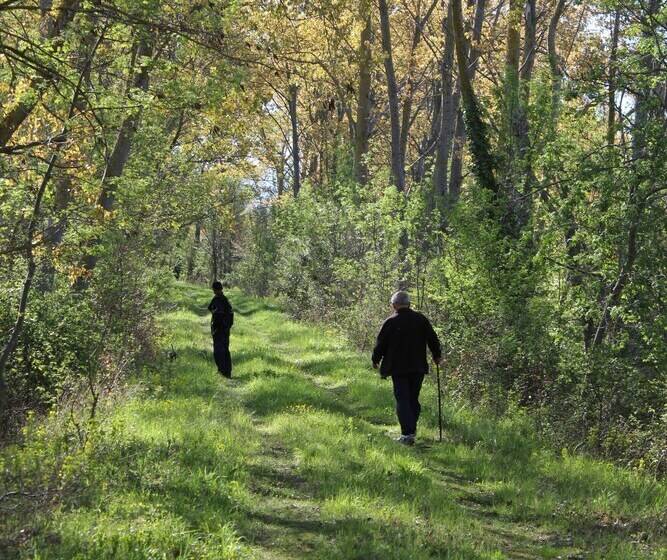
(505, 161)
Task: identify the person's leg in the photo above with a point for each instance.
(226, 369)
(415, 405)
(219, 350)
(403, 406)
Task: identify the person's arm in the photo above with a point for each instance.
(210, 305)
(381, 344)
(433, 342)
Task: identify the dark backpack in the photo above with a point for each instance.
(227, 320)
(222, 320)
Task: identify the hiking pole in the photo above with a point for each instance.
(437, 369)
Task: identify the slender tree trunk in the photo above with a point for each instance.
(554, 62)
(227, 260)
(525, 77)
(55, 231)
(458, 145)
(573, 248)
(529, 48)
(447, 115)
(429, 142)
(121, 150)
(516, 138)
(362, 126)
(280, 176)
(483, 162)
(511, 80)
(296, 158)
(397, 157)
(215, 268)
(11, 343)
(611, 92)
(456, 172)
(193, 251)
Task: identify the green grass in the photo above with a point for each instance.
(293, 459)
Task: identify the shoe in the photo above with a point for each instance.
(406, 439)
(227, 375)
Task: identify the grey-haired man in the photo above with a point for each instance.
(401, 349)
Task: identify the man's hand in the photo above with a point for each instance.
(375, 366)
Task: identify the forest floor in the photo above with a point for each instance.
(294, 458)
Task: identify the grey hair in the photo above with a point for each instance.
(400, 298)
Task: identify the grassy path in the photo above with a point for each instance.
(292, 459)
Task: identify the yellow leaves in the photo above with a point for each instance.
(75, 273)
(100, 213)
(23, 93)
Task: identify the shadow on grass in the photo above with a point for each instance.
(354, 538)
(268, 395)
(247, 308)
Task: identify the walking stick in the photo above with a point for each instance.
(437, 369)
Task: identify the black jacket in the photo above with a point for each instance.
(401, 344)
(222, 316)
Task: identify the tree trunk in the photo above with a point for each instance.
(397, 157)
(227, 256)
(448, 114)
(511, 81)
(516, 138)
(529, 47)
(121, 150)
(525, 77)
(215, 268)
(280, 176)
(483, 163)
(193, 251)
(362, 126)
(429, 142)
(458, 145)
(456, 172)
(611, 92)
(554, 62)
(13, 339)
(296, 158)
(55, 232)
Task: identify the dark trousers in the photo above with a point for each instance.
(406, 391)
(223, 358)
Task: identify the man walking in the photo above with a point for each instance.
(401, 347)
(222, 319)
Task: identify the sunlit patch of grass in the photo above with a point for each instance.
(135, 531)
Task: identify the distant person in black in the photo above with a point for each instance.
(401, 347)
(222, 319)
